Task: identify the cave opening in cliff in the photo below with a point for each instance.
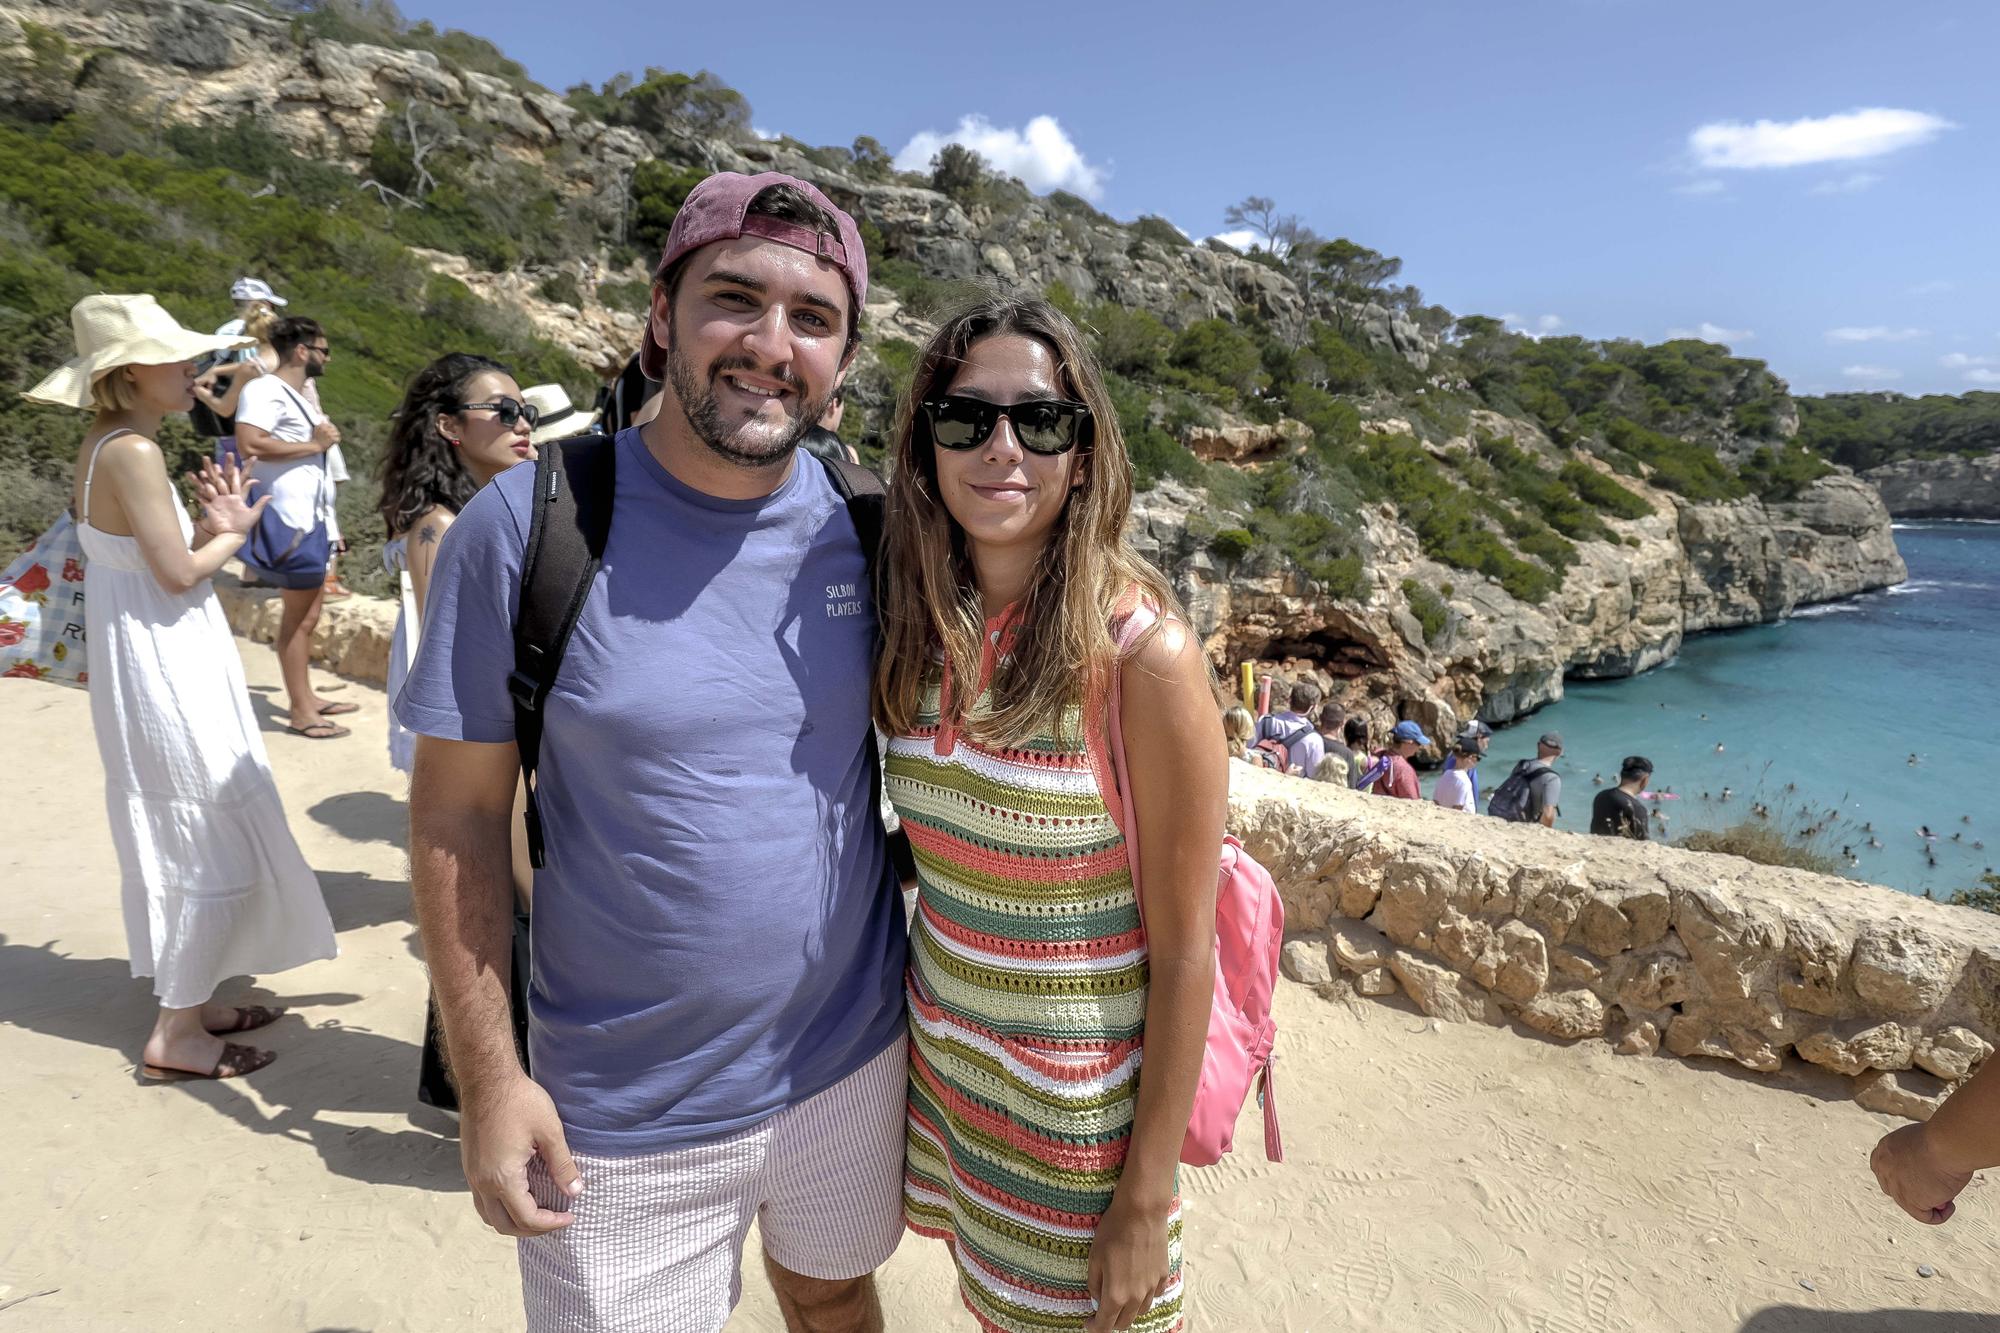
(1338, 654)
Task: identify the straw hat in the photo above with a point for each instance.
(114, 331)
(559, 418)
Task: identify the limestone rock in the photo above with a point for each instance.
(1569, 1014)
(1731, 944)
(1902, 970)
(1657, 980)
(1441, 992)
(1357, 946)
(1955, 486)
(1247, 441)
(1688, 1035)
(1912, 1095)
(1376, 981)
(1816, 956)
(1952, 1053)
(1852, 1049)
(1304, 961)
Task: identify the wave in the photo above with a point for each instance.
(1827, 609)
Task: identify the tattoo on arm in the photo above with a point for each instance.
(427, 535)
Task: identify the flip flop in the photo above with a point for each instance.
(250, 1017)
(319, 731)
(237, 1060)
(336, 710)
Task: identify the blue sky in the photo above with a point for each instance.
(1812, 182)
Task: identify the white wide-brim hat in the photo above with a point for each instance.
(559, 418)
(114, 331)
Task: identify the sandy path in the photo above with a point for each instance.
(1439, 1178)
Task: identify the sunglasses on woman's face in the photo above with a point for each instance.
(1042, 425)
(508, 411)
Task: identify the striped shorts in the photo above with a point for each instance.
(657, 1241)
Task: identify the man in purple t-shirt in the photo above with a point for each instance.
(715, 1003)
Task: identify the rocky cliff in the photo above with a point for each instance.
(1956, 486)
(1623, 606)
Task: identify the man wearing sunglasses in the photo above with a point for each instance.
(715, 1013)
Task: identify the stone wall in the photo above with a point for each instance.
(353, 637)
(1640, 945)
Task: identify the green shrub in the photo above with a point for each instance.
(1214, 357)
(1686, 469)
(1131, 341)
(1428, 608)
(561, 286)
(1766, 843)
(1601, 492)
(1231, 543)
(1780, 472)
(657, 191)
(625, 294)
(1985, 897)
(1161, 232)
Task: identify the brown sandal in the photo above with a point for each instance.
(250, 1017)
(237, 1060)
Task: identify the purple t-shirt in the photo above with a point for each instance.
(718, 933)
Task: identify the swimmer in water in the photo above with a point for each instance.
(1704, 717)
(1597, 779)
(1727, 793)
(1911, 761)
(1718, 747)
(1924, 832)
(1874, 842)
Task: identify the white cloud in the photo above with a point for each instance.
(1542, 326)
(1871, 374)
(1853, 184)
(764, 134)
(1982, 376)
(1874, 333)
(1240, 239)
(1042, 155)
(1706, 186)
(1959, 360)
(1713, 333)
(1732, 145)
(1935, 287)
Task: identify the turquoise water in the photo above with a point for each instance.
(1832, 702)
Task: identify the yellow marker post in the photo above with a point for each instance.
(1249, 686)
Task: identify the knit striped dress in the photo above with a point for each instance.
(1027, 993)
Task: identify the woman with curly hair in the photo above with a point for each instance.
(1016, 617)
(462, 423)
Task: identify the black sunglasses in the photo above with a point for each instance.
(1042, 425)
(508, 411)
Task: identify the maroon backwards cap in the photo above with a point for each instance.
(716, 210)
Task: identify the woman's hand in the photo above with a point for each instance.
(1129, 1268)
(224, 494)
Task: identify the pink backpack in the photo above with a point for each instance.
(1249, 933)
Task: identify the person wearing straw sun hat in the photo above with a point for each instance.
(213, 884)
(556, 418)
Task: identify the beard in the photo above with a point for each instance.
(315, 368)
(749, 444)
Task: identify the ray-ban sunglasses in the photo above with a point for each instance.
(508, 410)
(1042, 425)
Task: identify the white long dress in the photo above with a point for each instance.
(214, 885)
(402, 741)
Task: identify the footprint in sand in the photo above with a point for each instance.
(1364, 1272)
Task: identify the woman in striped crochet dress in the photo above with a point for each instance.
(1037, 1150)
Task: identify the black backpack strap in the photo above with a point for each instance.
(867, 505)
(568, 526)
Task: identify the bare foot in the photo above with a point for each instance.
(192, 1053)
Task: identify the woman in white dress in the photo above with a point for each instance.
(213, 884)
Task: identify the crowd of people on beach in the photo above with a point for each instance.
(638, 686)
(1304, 737)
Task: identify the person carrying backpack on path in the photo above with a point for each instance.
(1390, 774)
(1286, 733)
(1034, 659)
(1532, 793)
(716, 1027)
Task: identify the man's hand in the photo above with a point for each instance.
(501, 1130)
(326, 434)
(1908, 1171)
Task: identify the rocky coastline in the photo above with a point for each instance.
(1956, 486)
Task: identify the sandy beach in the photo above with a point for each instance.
(1439, 1177)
